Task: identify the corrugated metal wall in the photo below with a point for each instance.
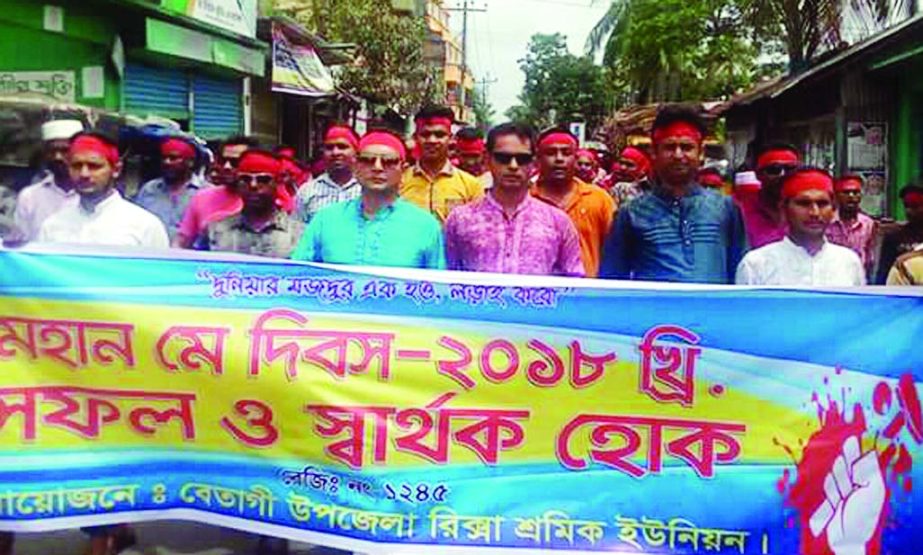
(217, 107)
(156, 91)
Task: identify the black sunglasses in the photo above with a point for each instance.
(244, 179)
(778, 170)
(505, 158)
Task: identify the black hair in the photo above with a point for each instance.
(908, 189)
(778, 145)
(668, 114)
(435, 111)
(469, 134)
(522, 130)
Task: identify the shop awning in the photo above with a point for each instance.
(181, 42)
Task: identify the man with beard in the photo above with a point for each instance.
(214, 203)
(850, 227)
(337, 183)
(168, 196)
(908, 237)
(378, 228)
(632, 177)
(588, 206)
(762, 216)
(803, 256)
(433, 183)
(100, 216)
(53, 190)
(679, 231)
(262, 227)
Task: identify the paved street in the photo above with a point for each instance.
(162, 538)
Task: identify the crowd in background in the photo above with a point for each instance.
(513, 202)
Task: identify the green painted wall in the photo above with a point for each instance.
(907, 165)
(85, 41)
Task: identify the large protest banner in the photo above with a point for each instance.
(428, 412)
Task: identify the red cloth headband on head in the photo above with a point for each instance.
(177, 147)
(437, 120)
(286, 151)
(342, 132)
(809, 180)
(677, 129)
(292, 167)
(913, 197)
(91, 143)
(845, 183)
(637, 156)
(470, 146)
(588, 154)
(381, 138)
(558, 138)
(259, 162)
(776, 156)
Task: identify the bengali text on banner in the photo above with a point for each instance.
(392, 411)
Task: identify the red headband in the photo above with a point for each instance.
(710, 179)
(381, 138)
(292, 167)
(843, 183)
(558, 138)
(677, 129)
(286, 151)
(913, 197)
(342, 132)
(253, 161)
(808, 180)
(435, 120)
(589, 154)
(470, 146)
(776, 156)
(92, 143)
(177, 147)
(637, 156)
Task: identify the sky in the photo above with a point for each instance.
(497, 38)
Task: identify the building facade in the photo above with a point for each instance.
(444, 51)
(178, 59)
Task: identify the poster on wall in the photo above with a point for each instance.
(867, 150)
(56, 85)
(296, 68)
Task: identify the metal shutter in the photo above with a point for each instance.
(217, 108)
(157, 91)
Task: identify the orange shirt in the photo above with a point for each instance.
(592, 210)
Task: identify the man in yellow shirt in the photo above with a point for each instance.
(433, 183)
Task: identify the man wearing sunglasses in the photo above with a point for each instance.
(261, 227)
(378, 228)
(433, 183)
(510, 231)
(850, 227)
(762, 214)
(679, 231)
(588, 206)
(214, 203)
(337, 183)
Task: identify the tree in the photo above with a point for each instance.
(483, 111)
(672, 50)
(390, 69)
(807, 28)
(560, 87)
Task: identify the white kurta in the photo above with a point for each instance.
(37, 202)
(114, 221)
(785, 263)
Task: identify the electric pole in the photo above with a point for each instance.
(464, 40)
(485, 83)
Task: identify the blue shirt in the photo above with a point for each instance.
(398, 235)
(155, 197)
(696, 238)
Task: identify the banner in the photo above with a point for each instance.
(237, 16)
(394, 411)
(296, 68)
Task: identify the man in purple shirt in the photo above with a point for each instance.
(508, 230)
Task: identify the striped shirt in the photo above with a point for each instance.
(323, 191)
(696, 238)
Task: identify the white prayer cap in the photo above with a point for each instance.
(746, 178)
(60, 129)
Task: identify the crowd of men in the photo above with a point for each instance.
(519, 202)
